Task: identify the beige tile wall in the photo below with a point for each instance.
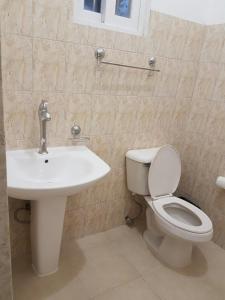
(45, 55)
(5, 255)
(203, 150)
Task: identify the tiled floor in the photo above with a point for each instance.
(117, 265)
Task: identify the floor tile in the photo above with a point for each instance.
(132, 246)
(117, 264)
(134, 290)
(94, 240)
(64, 284)
(170, 285)
(74, 289)
(122, 232)
(215, 265)
(107, 273)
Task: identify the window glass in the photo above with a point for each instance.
(123, 8)
(93, 5)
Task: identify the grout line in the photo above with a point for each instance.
(154, 292)
(106, 47)
(115, 287)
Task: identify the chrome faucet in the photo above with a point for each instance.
(44, 116)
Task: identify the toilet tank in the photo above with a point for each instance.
(137, 165)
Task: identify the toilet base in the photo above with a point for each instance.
(174, 252)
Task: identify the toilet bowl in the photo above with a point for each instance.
(173, 225)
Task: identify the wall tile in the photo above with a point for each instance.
(46, 18)
(160, 28)
(5, 255)
(19, 233)
(219, 92)
(190, 154)
(74, 223)
(194, 147)
(164, 115)
(215, 126)
(143, 82)
(103, 114)
(16, 16)
(147, 114)
(79, 111)
(102, 145)
(67, 30)
(217, 200)
(80, 62)
(5, 261)
(115, 216)
(194, 42)
(218, 223)
(101, 81)
(212, 148)
(205, 84)
(102, 38)
(199, 114)
(126, 115)
(49, 69)
(169, 78)
(3, 185)
(95, 218)
(213, 43)
(188, 75)
(18, 112)
(122, 143)
(4, 230)
(177, 38)
(5, 271)
(181, 112)
(17, 63)
(125, 42)
(222, 58)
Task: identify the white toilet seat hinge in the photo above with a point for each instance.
(162, 196)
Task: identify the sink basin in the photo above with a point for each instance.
(48, 179)
(63, 171)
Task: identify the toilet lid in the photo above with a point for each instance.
(164, 172)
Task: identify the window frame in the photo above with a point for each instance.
(81, 15)
(107, 19)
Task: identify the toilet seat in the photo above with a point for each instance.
(159, 208)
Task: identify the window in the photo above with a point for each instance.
(129, 16)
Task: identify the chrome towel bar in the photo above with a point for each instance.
(100, 54)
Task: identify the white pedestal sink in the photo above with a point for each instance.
(47, 180)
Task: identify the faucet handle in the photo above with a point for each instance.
(44, 105)
(43, 113)
(75, 130)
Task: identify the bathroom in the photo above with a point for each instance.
(114, 77)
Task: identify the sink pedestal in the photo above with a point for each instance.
(47, 218)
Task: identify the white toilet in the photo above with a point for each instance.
(173, 225)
